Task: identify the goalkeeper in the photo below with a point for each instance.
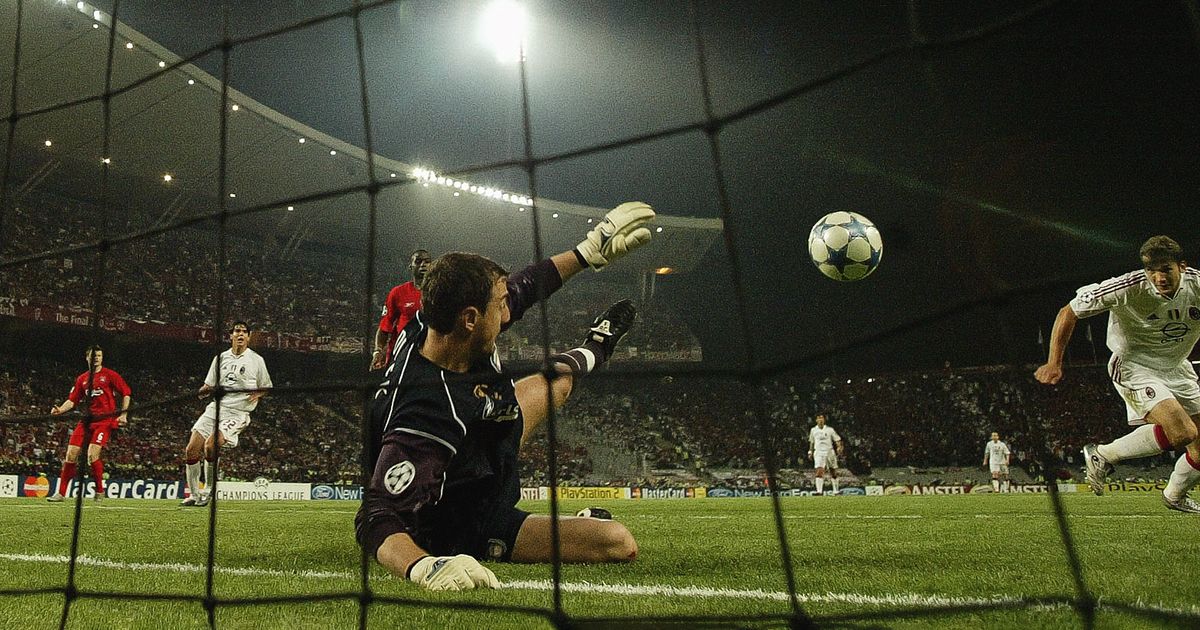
(446, 424)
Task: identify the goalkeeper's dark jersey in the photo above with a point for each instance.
(449, 440)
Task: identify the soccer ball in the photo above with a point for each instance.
(845, 246)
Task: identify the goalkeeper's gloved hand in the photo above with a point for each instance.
(610, 326)
(452, 573)
(622, 231)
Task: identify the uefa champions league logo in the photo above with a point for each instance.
(398, 477)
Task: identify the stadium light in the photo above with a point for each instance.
(504, 28)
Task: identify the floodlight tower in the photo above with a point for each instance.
(504, 28)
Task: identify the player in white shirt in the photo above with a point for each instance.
(821, 443)
(239, 368)
(1153, 325)
(996, 456)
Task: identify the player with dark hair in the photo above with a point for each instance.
(100, 386)
(240, 368)
(402, 302)
(1153, 326)
(447, 424)
(822, 442)
(996, 457)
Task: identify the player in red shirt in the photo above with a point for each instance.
(403, 301)
(100, 386)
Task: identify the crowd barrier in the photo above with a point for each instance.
(262, 489)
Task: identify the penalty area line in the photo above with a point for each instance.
(599, 588)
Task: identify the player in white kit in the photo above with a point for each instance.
(239, 368)
(1153, 325)
(821, 443)
(996, 457)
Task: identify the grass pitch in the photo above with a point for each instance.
(858, 562)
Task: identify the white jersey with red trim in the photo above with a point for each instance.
(1145, 328)
(996, 452)
(822, 439)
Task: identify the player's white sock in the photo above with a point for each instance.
(835, 485)
(1146, 440)
(208, 475)
(820, 485)
(995, 485)
(1185, 475)
(193, 478)
(1005, 485)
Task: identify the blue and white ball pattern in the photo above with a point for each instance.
(845, 246)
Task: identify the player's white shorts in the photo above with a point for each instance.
(999, 468)
(1143, 388)
(825, 459)
(232, 423)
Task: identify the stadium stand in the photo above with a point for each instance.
(915, 426)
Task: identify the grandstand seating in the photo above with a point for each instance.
(617, 430)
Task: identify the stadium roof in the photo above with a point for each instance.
(167, 124)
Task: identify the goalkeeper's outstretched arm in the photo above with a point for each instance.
(537, 394)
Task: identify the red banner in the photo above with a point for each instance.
(24, 309)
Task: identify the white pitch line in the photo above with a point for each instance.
(654, 590)
(1075, 516)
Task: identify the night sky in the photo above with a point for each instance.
(1003, 172)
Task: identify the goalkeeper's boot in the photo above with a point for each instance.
(55, 498)
(1182, 504)
(611, 325)
(595, 512)
(1095, 469)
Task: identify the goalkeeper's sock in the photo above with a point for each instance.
(835, 485)
(1185, 475)
(1006, 486)
(1144, 441)
(68, 472)
(98, 473)
(995, 485)
(820, 485)
(193, 477)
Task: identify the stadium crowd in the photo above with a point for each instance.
(175, 282)
(614, 431)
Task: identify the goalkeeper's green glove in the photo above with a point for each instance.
(622, 231)
(452, 573)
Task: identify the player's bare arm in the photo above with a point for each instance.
(205, 390)
(1064, 327)
(123, 418)
(66, 406)
(379, 355)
